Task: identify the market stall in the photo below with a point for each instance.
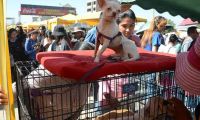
(92, 18)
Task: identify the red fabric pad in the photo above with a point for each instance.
(75, 64)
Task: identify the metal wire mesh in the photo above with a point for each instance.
(44, 96)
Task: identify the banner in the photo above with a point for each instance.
(5, 71)
(46, 10)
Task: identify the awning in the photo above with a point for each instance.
(93, 18)
(34, 25)
(188, 21)
(69, 17)
(59, 21)
(185, 8)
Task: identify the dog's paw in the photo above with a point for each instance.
(131, 59)
(114, 57)
(124, 58)
(96, 59)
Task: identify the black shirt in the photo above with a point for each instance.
(17, 50)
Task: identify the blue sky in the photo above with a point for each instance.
(13, 7)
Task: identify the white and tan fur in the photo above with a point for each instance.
(122, 46)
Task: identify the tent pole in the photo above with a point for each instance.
(5, 70)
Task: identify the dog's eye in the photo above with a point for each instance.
(109, 8)
(118, 11)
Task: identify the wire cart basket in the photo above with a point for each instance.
(42, 95)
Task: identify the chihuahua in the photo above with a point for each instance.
(108, 34)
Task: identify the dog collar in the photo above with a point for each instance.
(104, 36)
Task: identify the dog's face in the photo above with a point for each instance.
(110, 9)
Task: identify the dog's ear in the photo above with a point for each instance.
(101, 3)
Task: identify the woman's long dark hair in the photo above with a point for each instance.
(21, 32)
(10, 32)
(58, 38)
(66, 37)
(127, 14)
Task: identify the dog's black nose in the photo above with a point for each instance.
(114, 14)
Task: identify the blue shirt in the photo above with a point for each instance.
(91, 36)
(157, 40)
(29, 48)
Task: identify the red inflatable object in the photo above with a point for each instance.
(75, 64)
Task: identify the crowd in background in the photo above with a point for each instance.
(24, 46)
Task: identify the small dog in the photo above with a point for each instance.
(108, 34)
(156, 109)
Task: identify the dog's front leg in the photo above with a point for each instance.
(97, 43)
(103, 48)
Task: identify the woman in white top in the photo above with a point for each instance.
(48, 40)
(173, 46)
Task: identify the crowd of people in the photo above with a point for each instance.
(24, 46)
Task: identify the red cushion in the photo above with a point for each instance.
(75, 64)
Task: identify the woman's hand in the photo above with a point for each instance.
(3, 97)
